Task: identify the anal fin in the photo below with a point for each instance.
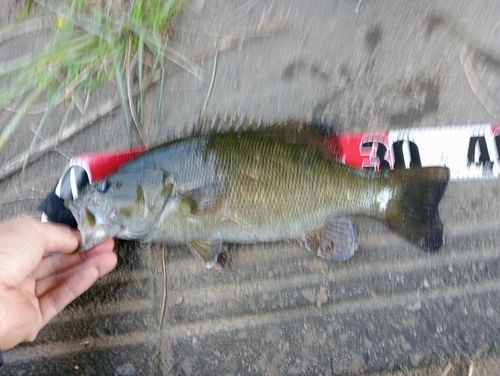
(207, 250)
(337, 240)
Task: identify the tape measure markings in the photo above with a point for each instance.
(470, 151)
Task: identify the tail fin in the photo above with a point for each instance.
(413, 211)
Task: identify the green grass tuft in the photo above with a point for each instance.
(93, 40)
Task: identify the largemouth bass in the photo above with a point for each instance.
(248, 187)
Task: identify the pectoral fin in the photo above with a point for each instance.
(202, 199)
(207, 250)
(337, 240)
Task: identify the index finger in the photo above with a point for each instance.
(59, 238)
(51, 237)
(25, 241)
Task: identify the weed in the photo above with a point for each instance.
(93, 41)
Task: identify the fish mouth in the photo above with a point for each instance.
(93, 226)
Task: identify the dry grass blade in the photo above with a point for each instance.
(35, 109)
(164, 298)
(202, 113)
(139, 57)
(447, 369)
(467, 54)
(16, 119)
(189, 65)
(51, 104)
(239, 12)
(129, 65)
(471, 368)
(39, 108)
(26, 27)
(123, 100)
(49, 144)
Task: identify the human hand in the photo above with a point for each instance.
(40, 275)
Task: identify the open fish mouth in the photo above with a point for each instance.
(93, 227)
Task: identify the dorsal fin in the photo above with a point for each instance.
(320, 136)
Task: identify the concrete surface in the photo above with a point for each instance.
(392, 309)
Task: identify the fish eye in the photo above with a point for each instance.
(103, 185)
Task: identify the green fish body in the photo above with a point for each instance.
(248, 187)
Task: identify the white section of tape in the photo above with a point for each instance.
(470, 151)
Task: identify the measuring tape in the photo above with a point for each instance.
(469, 151)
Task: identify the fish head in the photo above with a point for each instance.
(127, 205)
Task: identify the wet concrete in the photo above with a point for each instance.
(277, 309)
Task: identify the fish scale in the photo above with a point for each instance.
(302, 179)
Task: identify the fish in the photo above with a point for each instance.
(253, 186)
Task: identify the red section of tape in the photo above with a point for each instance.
(360, 150)
(99, 165)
